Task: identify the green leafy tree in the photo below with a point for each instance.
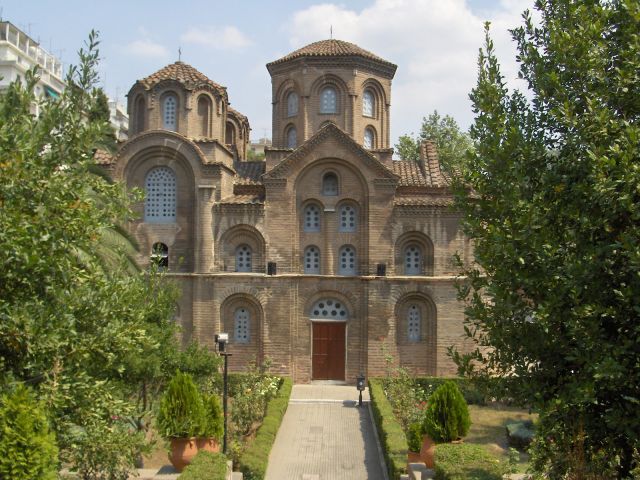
(69, 327)
(446, 417)
(100, 113)
(452, 143)
(554, 295)
(408, 148)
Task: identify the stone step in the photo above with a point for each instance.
(419, 471)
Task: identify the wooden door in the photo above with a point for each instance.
(328, 351)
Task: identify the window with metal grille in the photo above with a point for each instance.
(160, 196)
(312, 260)
(312, 218)
(330, 184)
(414, 320)
(241, 325)
(329, 309)
(413, 260)
(169, 114)
(292, 104)
(348, 219)
(368, 103)
(243, 258)
(347, 259)
(328, 100)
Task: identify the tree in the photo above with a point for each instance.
(452, 143)
(551, 199)
(100, 113)
(70, 325)
(408, 148)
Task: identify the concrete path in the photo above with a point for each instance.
(325, 436)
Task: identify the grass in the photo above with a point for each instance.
(488, 429)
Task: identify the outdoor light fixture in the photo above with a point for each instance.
(360, 386)
(221, 340)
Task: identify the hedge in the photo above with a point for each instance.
(466, 461)
(253, 462)
(206, 466)
(470, 391)
(394, 441)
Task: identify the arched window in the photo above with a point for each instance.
(169, 112)
(329, 309)
(414, 323)
(368, 103)
(292, 137)
(348, 219)
(413, 259)
(160, 256)
(204, 109)
(369, 138)
(241, 321)
(292, 104)
(243, 258)
(312, 218)
(330, 184)
(312, 260)
(140, 114)
(160, 198)
(328, 100)
(347, 265)
(230, 134)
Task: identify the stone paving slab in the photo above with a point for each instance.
(325, 436)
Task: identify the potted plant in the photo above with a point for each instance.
(213, 427)
(182, 418)
(445, 420)
(414, 442)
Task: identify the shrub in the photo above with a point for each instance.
(471, 391)
(253, 462)
(465, 461)
(28, 448)
(520, 434)
(392, 437)
(206, 466)
(214, 427)
(447, 415)
(414, 437)
(182, 413)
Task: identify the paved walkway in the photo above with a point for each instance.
(325, 436)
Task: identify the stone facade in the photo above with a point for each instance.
(323, 230)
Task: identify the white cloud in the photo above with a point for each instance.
(146, 48)
(434, 43)
(217, 37)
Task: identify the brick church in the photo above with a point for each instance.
(322, 256)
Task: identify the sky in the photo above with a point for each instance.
(435, 44)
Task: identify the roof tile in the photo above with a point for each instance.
(183, 73)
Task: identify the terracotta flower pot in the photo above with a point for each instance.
(413, 457)
(208, 444)
(182, 452)
(428, 451)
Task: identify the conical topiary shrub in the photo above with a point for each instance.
(447, 415)
(182, 413)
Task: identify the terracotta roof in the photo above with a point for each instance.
(242, 200)
(331, 48)
(428, 201)
(423, 173)
(102, 157)
(183, 73)
(249, 173)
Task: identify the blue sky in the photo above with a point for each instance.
(433, 42)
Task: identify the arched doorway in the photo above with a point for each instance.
(329, 321)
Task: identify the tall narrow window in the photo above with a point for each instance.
(328, 100)
(368, 103)
(292, 137)
(140, 114)
(348, 219)
(369, 138)
(204, 109)
(292, 104)
(312, 260)
(160, 256)
(241, 325)
(330, 184)
(414, 321)
(169, 112)
(413, 260)
(230, 134)
(243, 258)
(312, 218)
(160, 196)
(347, 265)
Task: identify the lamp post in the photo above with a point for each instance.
(222, 339)
(360, 386)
